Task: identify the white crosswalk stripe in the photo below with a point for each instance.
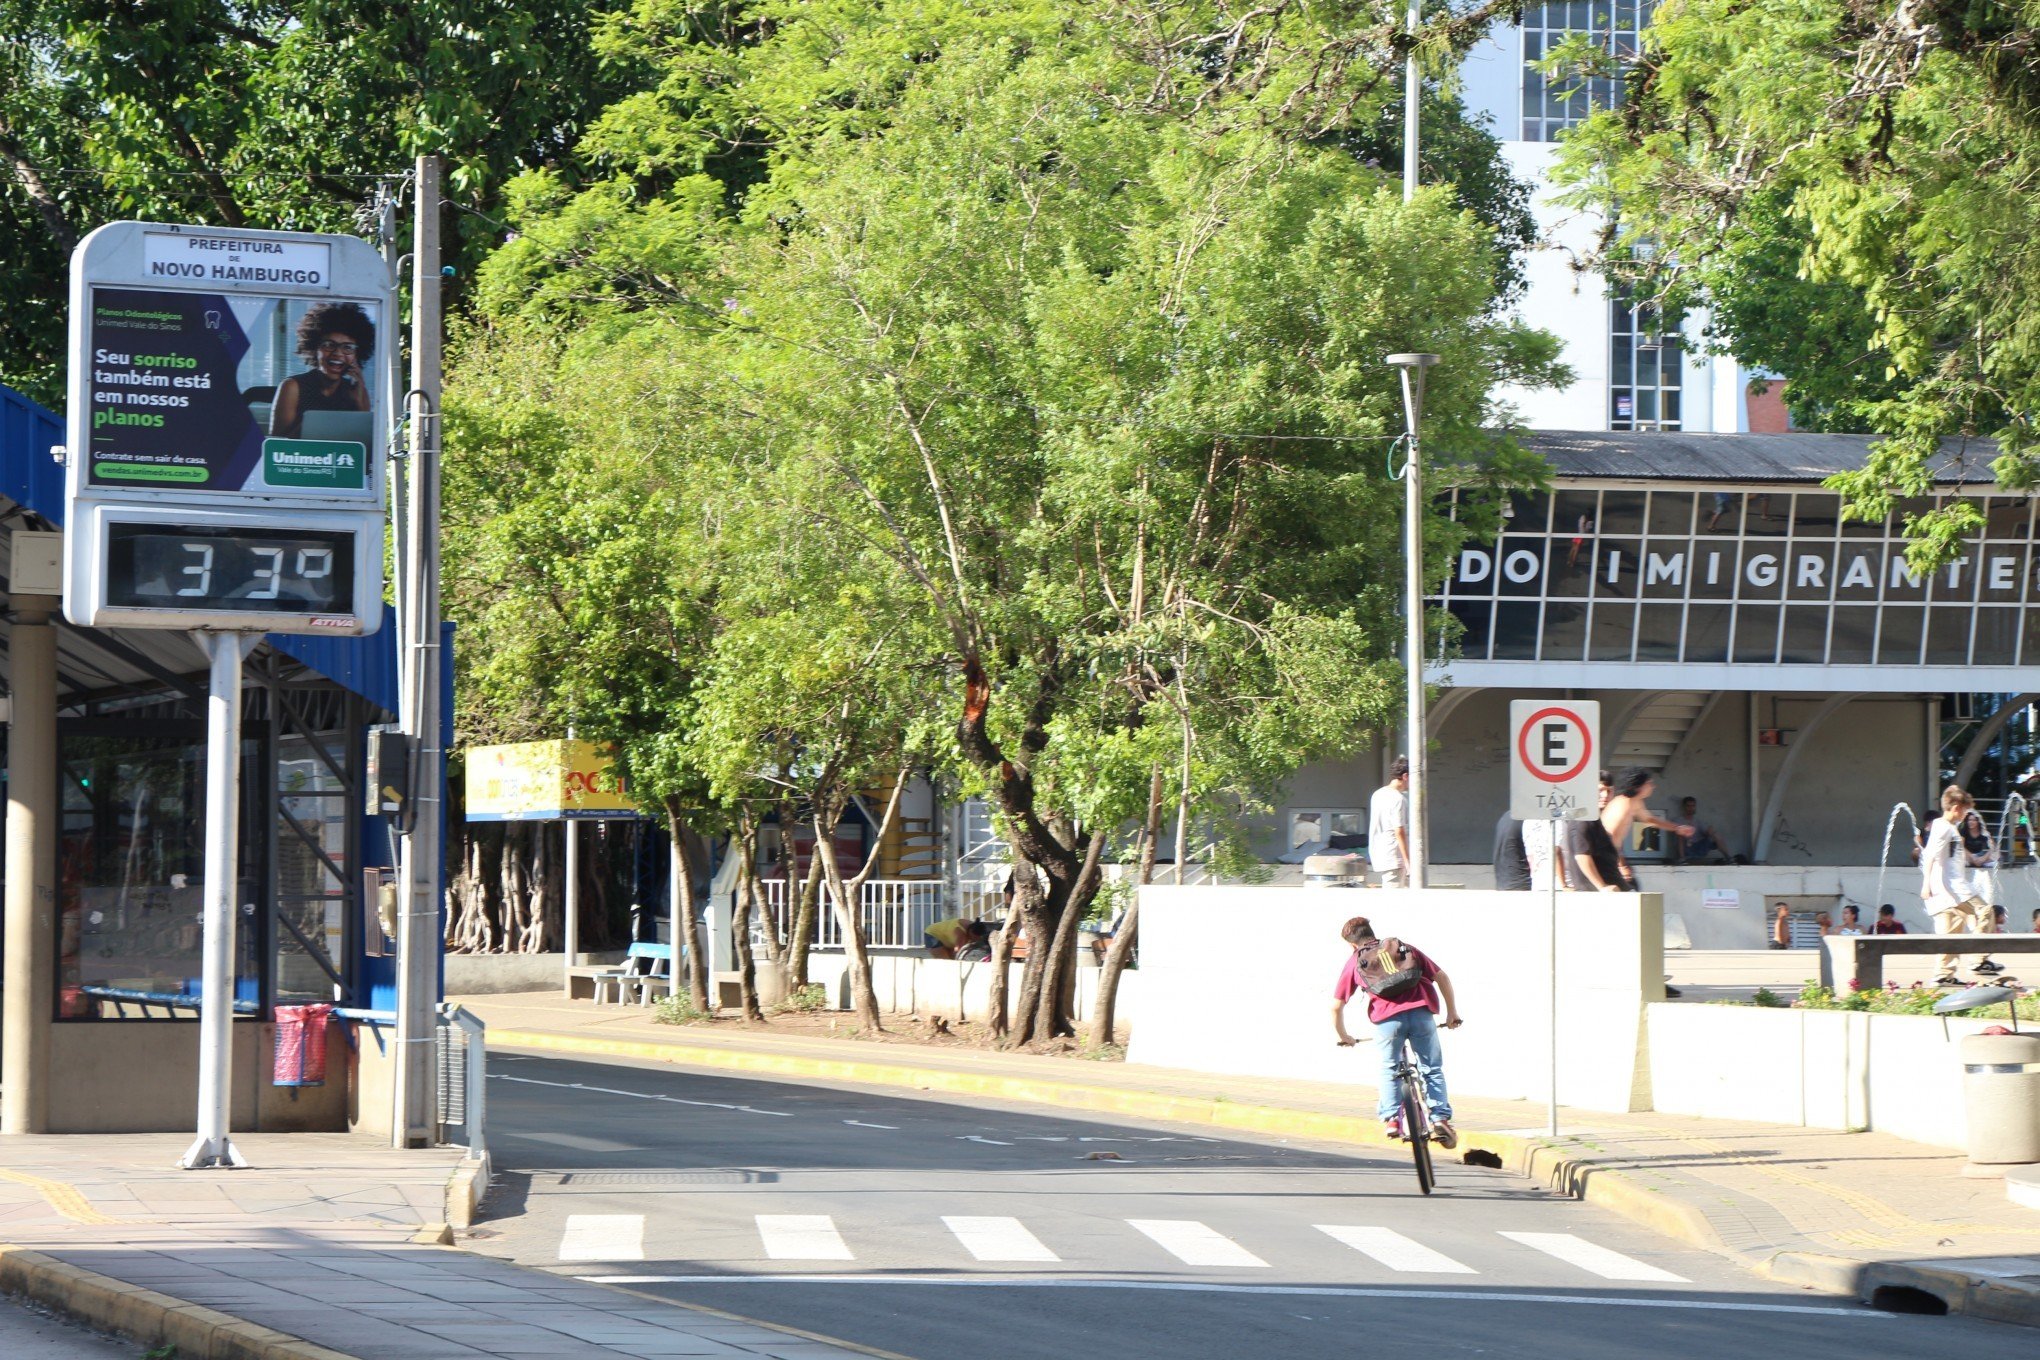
(802, 1237)
(998, 1239)
(1195, 1244)
(603, 1237)
(1395, 1251)
(1595, 1260)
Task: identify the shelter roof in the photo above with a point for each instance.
(1672, 455)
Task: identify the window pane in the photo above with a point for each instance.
(1516, 632)
(1756, 633)
(1622, 512)
(1614, 568)
(1519, 565)
(1572, 562)
(1814, 516)
(1765, 515)
(2008, 517)
(1812, 568)
(1948, 636)
(2000, 570)
(1707, 632)
(1898, 640)
(1612, 632)
(1723, 513)
(132, 875)
(1858, 567)
(1667, 568)
(1855, 632)
(1710, 573)
(1805, 639)
(1565, 631)
(311, 898)
(1532, 512)
(1474, 616)
(1305, 828)
(1657, 632)
(1997, 637)
(1762, 573)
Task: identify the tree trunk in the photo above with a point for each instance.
(998, 1010)
(863, 1000)
(746, 848)
(800, 916)
(690, 926)
(1053, 1019)
(1126, 938)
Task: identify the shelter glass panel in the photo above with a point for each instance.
(131, 872)
(313, 858)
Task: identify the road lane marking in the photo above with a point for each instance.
(998, 1239)
(639, 1095)
(1601, 1300)
(979, 1138)
(603, 1237)
(574, 1141)
(1395, 1251)
(1609, 1265)
(1195, 1244)
(859, 1123)
(802, 1237)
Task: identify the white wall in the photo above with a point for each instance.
(1239, 980)
(907, 984)
(1897, 1074)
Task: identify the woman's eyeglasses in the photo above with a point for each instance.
(336, 347)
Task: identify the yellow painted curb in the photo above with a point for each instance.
(145, 1316)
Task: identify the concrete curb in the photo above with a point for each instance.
(464, 1191)
(146, 1317)
(1557, 1167)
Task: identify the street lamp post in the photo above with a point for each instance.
(1413, 367)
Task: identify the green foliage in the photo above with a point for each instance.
(1895, 1000)
(803, 1000)
(1767, 998)
(678, 1008)
(286, 115)
(1852, 189)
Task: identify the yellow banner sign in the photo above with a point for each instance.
(544, 781)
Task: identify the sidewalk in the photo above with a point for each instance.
(324, 1249)
(1847, 1213)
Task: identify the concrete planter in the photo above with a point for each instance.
(1898, 1074)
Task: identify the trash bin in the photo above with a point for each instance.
(1334, 871)
(2001, 1095)
(301, 1045)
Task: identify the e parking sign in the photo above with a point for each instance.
(1553, 747)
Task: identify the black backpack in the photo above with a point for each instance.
(1389, 970)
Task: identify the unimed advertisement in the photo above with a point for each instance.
(195, 391)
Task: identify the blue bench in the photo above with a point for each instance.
(645, 967)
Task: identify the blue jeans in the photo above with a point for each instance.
(1420, 1027)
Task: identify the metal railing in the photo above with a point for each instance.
(895, 912)
(462, 1066)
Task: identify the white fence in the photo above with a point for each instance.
(895, 911)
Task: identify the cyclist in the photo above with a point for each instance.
(1403, 989)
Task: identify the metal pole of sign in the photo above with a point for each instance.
(1414, 367)
(213, 1148)
(1551, 1098)
(414, 1118)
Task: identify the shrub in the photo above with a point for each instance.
(813, 997)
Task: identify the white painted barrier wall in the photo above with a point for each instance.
(1897, 1074)
(1239, 980)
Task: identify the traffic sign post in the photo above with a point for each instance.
(227, 430)
(1553, 778)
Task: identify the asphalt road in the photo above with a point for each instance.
(934, 1228)
(28, 1332)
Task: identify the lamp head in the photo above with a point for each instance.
(1412, 360)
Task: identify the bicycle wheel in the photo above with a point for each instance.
(1417, 1128)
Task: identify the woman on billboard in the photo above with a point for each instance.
(336, 339)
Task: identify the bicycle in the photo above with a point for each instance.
(1416, 1116)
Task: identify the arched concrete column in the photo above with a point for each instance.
(1450, 700)
(1980, 744)
(1775, 804)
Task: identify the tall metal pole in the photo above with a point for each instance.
(213, 1148)
(1413, 368)
(1412, 86)
(414, 1117)
(570, 936)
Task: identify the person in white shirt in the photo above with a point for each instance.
(1946, 886)
(1852, 921)
(1388, 827)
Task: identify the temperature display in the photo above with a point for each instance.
(255, 571)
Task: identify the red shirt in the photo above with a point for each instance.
(1887, 926)
(1378, 1010)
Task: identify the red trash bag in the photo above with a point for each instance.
(301, 1045)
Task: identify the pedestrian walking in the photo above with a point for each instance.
(1946, 885)
(1388, 827)
(1512, 857)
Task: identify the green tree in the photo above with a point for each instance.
(1862, 173)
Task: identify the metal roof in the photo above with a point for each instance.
(1672, 455)
(106, 662)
